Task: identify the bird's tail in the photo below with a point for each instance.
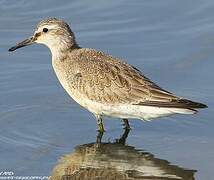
(181, 106)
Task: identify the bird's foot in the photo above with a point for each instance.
(99, 136)
(124, 136)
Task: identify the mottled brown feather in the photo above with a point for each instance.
(107, 79)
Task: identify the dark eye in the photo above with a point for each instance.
(45, 30)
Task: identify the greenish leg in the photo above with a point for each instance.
(100, 124)
(126, 124)
(99, 137)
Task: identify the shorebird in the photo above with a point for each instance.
(103, 84)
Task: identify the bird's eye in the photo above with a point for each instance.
(45, 30)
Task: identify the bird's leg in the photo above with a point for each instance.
(100, 124)
(99, 137)
(123, 138)
(126, 124)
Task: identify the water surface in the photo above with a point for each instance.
(170, 41)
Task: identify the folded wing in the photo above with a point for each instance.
(108, 80)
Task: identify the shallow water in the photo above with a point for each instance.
(171, 41)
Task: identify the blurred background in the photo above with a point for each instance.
(170, 41)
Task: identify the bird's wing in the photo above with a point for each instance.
(107, 80)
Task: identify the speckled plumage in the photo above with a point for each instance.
(103, 84)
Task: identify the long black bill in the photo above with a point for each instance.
(24, 43)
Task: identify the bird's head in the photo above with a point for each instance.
(54, 33)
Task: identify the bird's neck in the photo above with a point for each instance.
(60, 50)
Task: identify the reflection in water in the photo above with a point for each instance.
(115, 161)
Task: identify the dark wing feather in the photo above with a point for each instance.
(180, 103)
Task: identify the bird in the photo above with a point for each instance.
(104, 85)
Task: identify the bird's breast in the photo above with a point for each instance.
(61, 74)
(65, 73)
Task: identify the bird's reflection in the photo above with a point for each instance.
(115, 161)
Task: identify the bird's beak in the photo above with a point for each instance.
(24, 43)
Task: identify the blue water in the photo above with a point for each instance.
(170, 41)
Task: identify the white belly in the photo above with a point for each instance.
(127, 111)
